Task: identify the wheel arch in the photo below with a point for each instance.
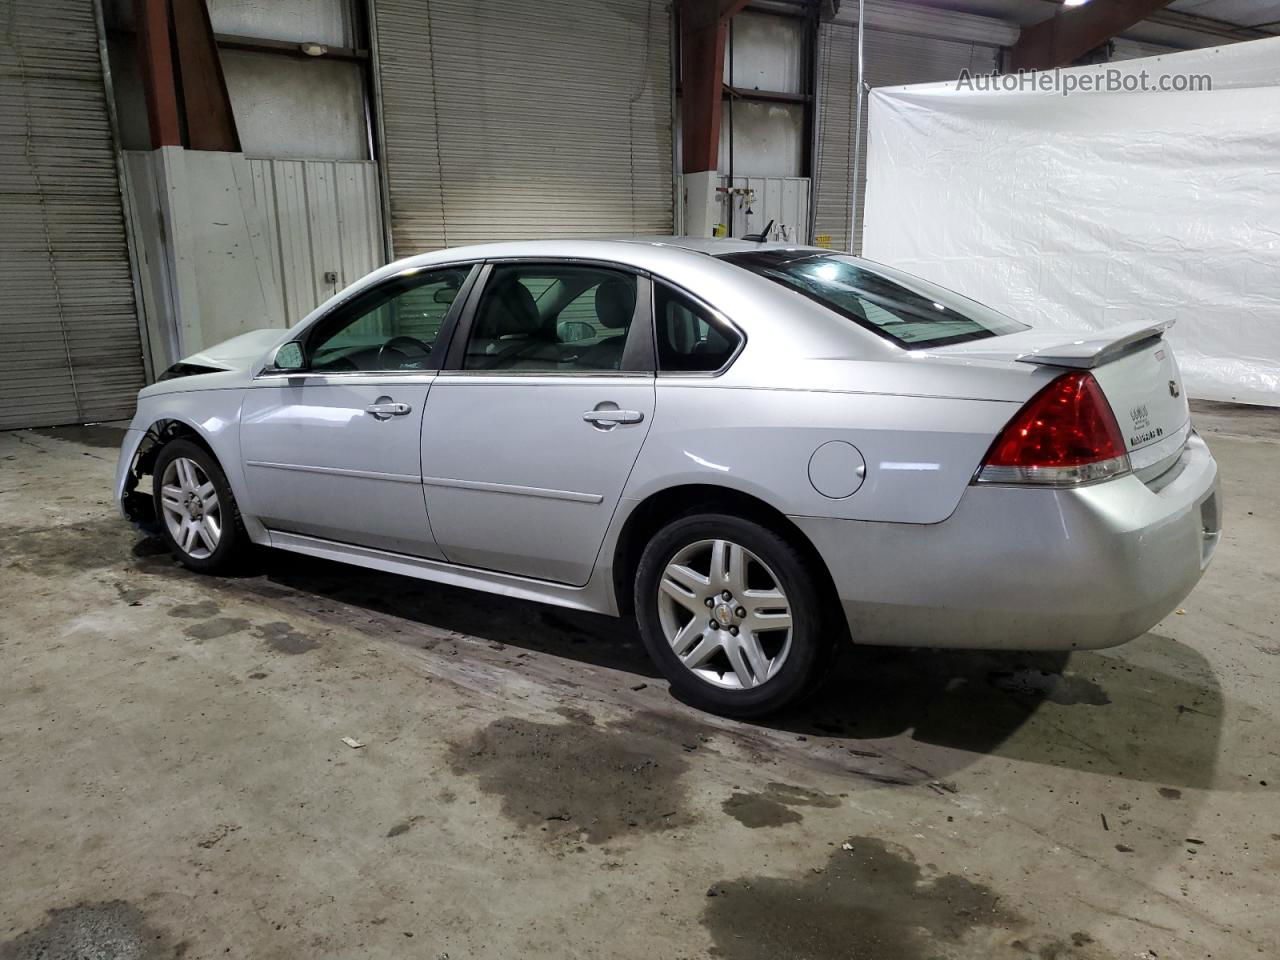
(137, 503)
(661, 507)
(161, 432)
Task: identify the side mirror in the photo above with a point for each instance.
(445, 295)
(290, 357)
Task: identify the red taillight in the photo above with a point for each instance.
(1065, 434)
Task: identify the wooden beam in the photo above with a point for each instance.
(155, 58)
(1073, 31)
(211, 124)
(704, 28)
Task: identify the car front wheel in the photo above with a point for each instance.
(731, 613)
(200, 520)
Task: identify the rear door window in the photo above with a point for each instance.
(552, 318)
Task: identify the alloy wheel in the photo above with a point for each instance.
(725, 614)
(192, 511)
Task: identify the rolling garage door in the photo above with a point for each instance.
(69, 342)
(890, 59)
(527, 119)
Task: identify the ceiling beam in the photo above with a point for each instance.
(1073, 31)
(211, 123)
(155, 58)
(704, 28)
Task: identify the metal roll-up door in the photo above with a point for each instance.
(523, 120)
(890, 60)
(70, 350)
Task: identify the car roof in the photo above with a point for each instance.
(716, 246)
(634, 250)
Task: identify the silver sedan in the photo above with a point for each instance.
(758, 451)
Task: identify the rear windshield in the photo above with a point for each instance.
(911, 312)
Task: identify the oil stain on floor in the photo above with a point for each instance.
(775, 805)
(870, 900)
(283, 638)
(598, 781)
(115, 930)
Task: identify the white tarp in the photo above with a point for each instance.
(1098, 208)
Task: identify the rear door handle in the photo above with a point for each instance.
(386, 408)
(610, 418)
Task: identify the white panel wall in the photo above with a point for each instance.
(229, 244)
(762, 139)
(323, 21)
(784, 200)
(766, 52)
(287, 107)
(319, 217)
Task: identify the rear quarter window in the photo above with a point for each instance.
(690, 338)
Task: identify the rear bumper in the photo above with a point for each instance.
(1030, 569)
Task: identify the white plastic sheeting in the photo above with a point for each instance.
(1100, 208)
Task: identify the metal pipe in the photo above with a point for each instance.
(816, 106)
(380, 129)
(677, 171)
(857, 136)
(126, 194)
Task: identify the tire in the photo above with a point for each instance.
(208, 536)
(718, 669)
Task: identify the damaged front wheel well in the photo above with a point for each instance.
(139, 504)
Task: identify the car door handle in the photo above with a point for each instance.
(386, 408)
(611, 417)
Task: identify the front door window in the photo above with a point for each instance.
(392, 328)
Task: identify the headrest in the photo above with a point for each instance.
(509, 309)
(615, 303)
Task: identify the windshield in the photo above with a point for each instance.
(911, 312)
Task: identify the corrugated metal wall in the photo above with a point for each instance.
(513, 120)
(891, 59)
(319, 217)
(70, 350)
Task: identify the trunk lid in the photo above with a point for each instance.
(1145, 392)
(1133, 364)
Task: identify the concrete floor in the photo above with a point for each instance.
(173, 779)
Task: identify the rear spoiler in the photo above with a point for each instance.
(1094, 352)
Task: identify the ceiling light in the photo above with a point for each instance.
(1074, 3)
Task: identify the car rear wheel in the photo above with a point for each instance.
(730, 612)
(200, 521)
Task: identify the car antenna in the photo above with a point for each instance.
(762, 236)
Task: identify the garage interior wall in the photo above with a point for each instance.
(70, 347)
(232, 242)
(892, 57)
(515, 120)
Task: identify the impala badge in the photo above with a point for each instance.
(1174, 390)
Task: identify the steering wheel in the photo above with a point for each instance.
(397, 345)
